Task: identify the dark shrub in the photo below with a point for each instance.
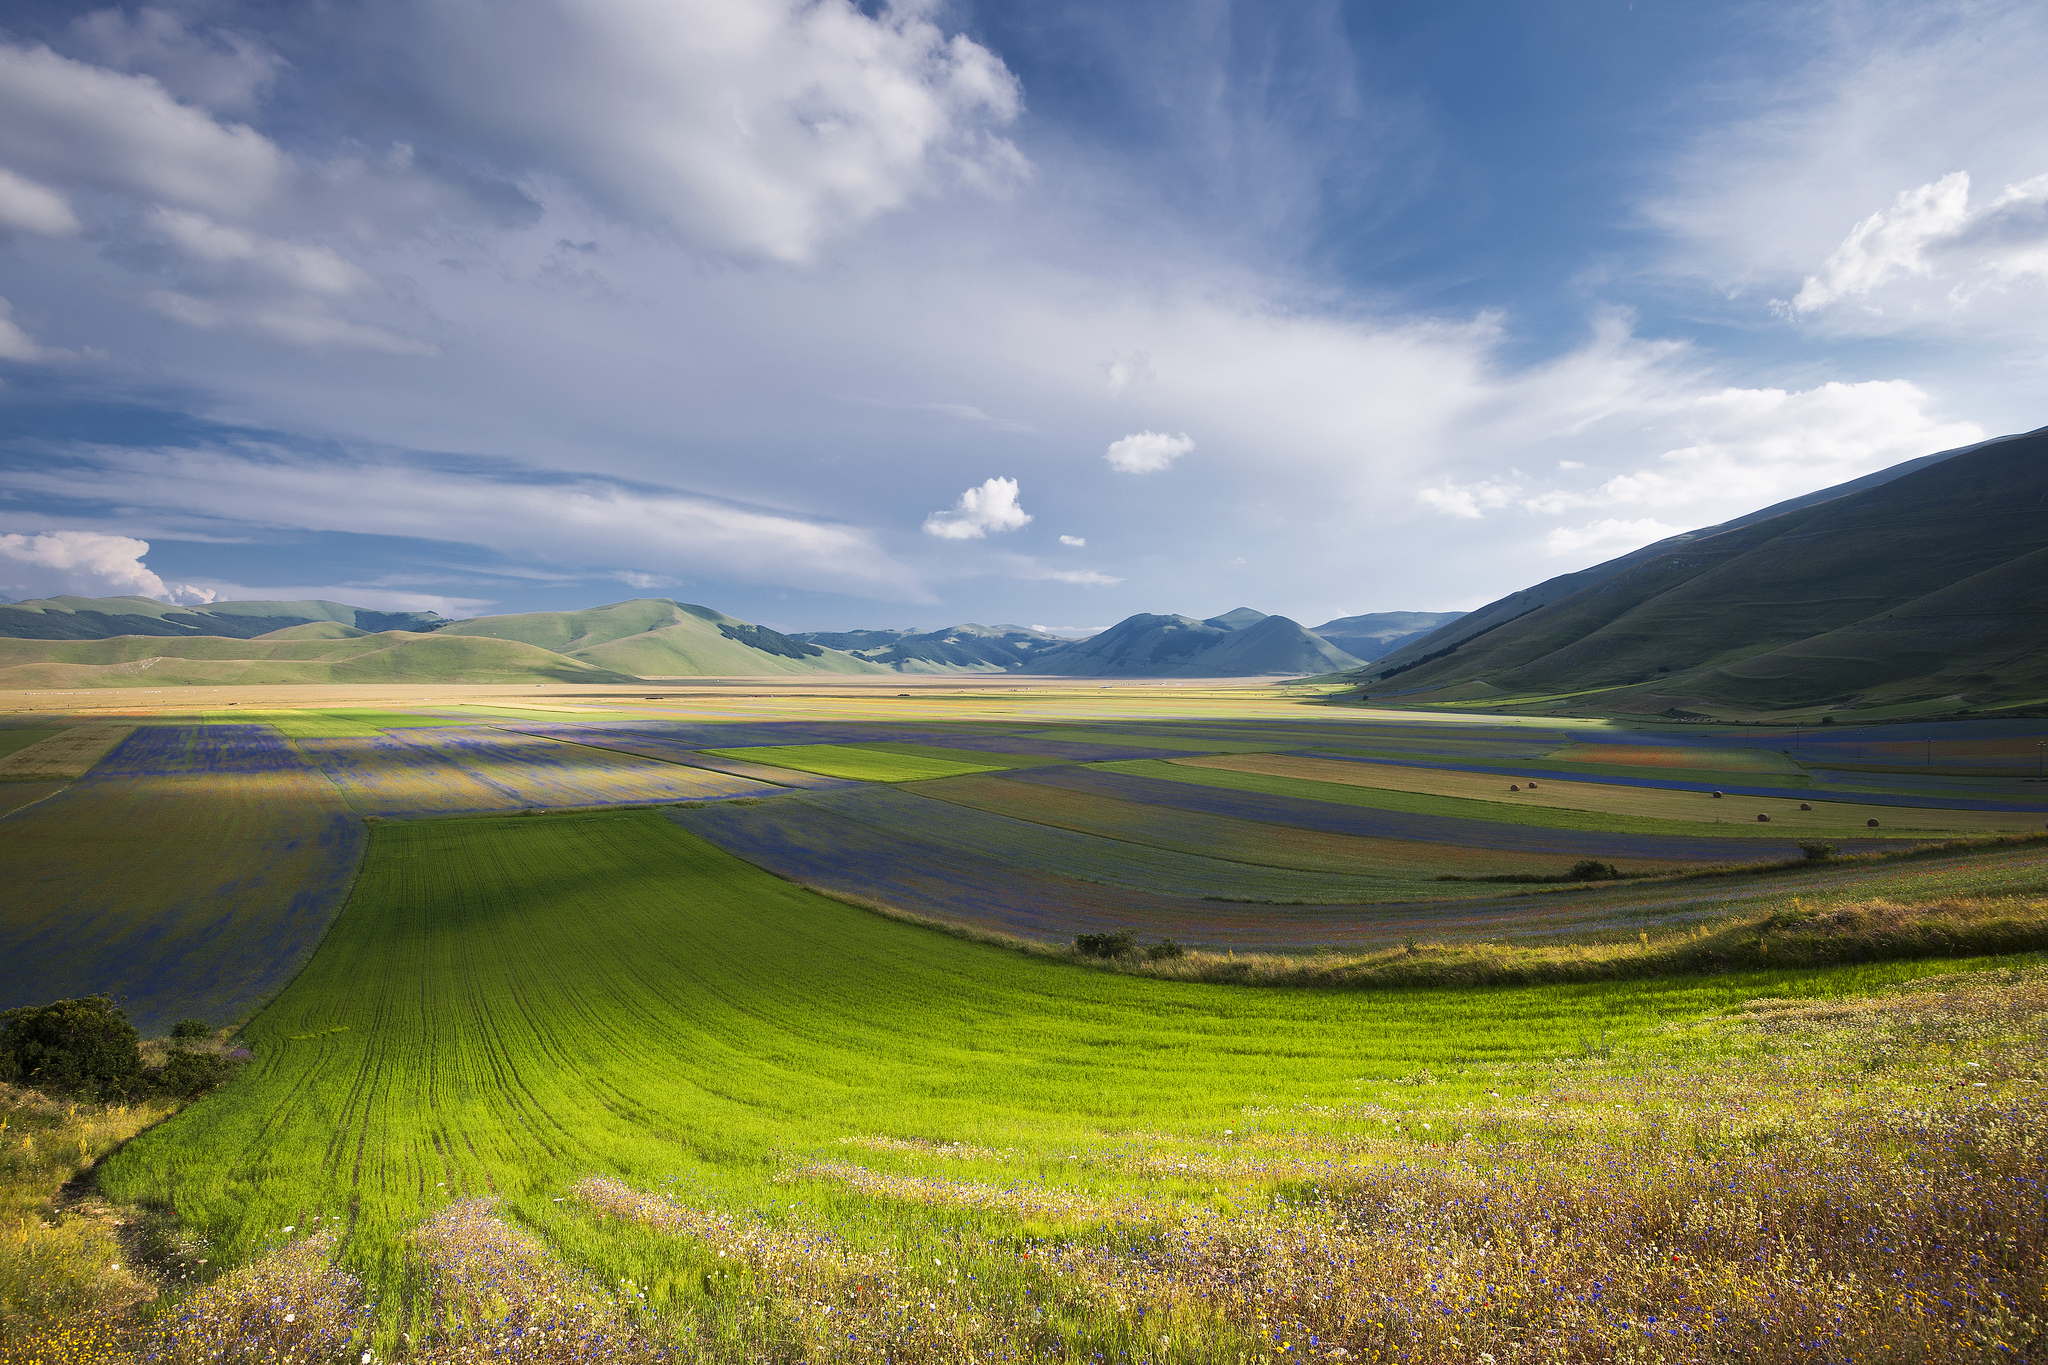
(80, 1047)
(1105, 945)
(1164, 949)
(1592, 870)
(1817, 853)
(186, 1074)
(190, 1030)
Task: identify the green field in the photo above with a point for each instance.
(864, 763)
(509, 1007)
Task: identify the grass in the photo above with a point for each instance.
(511, 1007)
(867, 764)
(67, 753)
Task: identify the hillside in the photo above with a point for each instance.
(1377, 634)
(653, 637)
(1149, 646)
(386, 657)
(100, 618)
(967, 648)
(1914, 588)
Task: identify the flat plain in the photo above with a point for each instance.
(739, 1022)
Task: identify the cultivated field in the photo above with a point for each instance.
(588, 1068)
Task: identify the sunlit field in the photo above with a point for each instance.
(747, 1023)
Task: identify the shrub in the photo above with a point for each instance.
(82, 1047)
(1117, 944)
(190, 1030)
(1164, 949)
(186, 1074)
(1592, 870)
(1817, 852)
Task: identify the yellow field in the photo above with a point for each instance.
(1842, 818)
(70, 753)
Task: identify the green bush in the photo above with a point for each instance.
(1164, 949)
(191, 1030)
(1592, 870)
(82, 1047)
(1118, 944)
(1817, 852)
(191, 1073)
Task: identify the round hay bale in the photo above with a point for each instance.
(1871, 823)
(1765, 818)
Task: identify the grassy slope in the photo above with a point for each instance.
(653, 637)
(508, 1006)
(392, 656)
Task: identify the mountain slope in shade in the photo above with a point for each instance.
(1376, 634)
(218, 661)
(653, 637)
(1237, 618)
(966, 648)
(1153, 646)
(100, 618)
(1917, 587)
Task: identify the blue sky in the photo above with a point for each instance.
(836, 316)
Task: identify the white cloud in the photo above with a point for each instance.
(1469, 500)
(582, 525)
(1608, 535)
(87, 564)
(292, 265)
(1075, 541)
(302, 322)
(1085, 577)
(1571, 464)
(1147, 452)
(68, 121)
(30, 207)
(16, 344)
(221, 70)
(990, 507)
(757, 127)
(1930, 234)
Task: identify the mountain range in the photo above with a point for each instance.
(1923, 587)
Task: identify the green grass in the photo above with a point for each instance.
(868, 763)
(337, 724)
(12, 741)
(509, 1006)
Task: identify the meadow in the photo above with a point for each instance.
(740, 1023)
(647, 1058)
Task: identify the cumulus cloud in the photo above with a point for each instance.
(87, 564)
(1075, 541)
(1146, 452)
(990, 507)
(1931, 233)
(755, 127)
(583, 524)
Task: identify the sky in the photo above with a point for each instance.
(839, 316)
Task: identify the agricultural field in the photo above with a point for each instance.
(745, 1024)
(714, 1113)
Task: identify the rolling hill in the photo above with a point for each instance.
(1924, 586)
(1148, 646)
(653, 637)
(100, 618)
(385, 657)
(967, 648)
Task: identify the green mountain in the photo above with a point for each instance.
(100, 618)
(1148, 646)
(1916, 589)
(1377, 634)
(1237, 618)
(968, 648)
(653, 637)
(218, 661)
